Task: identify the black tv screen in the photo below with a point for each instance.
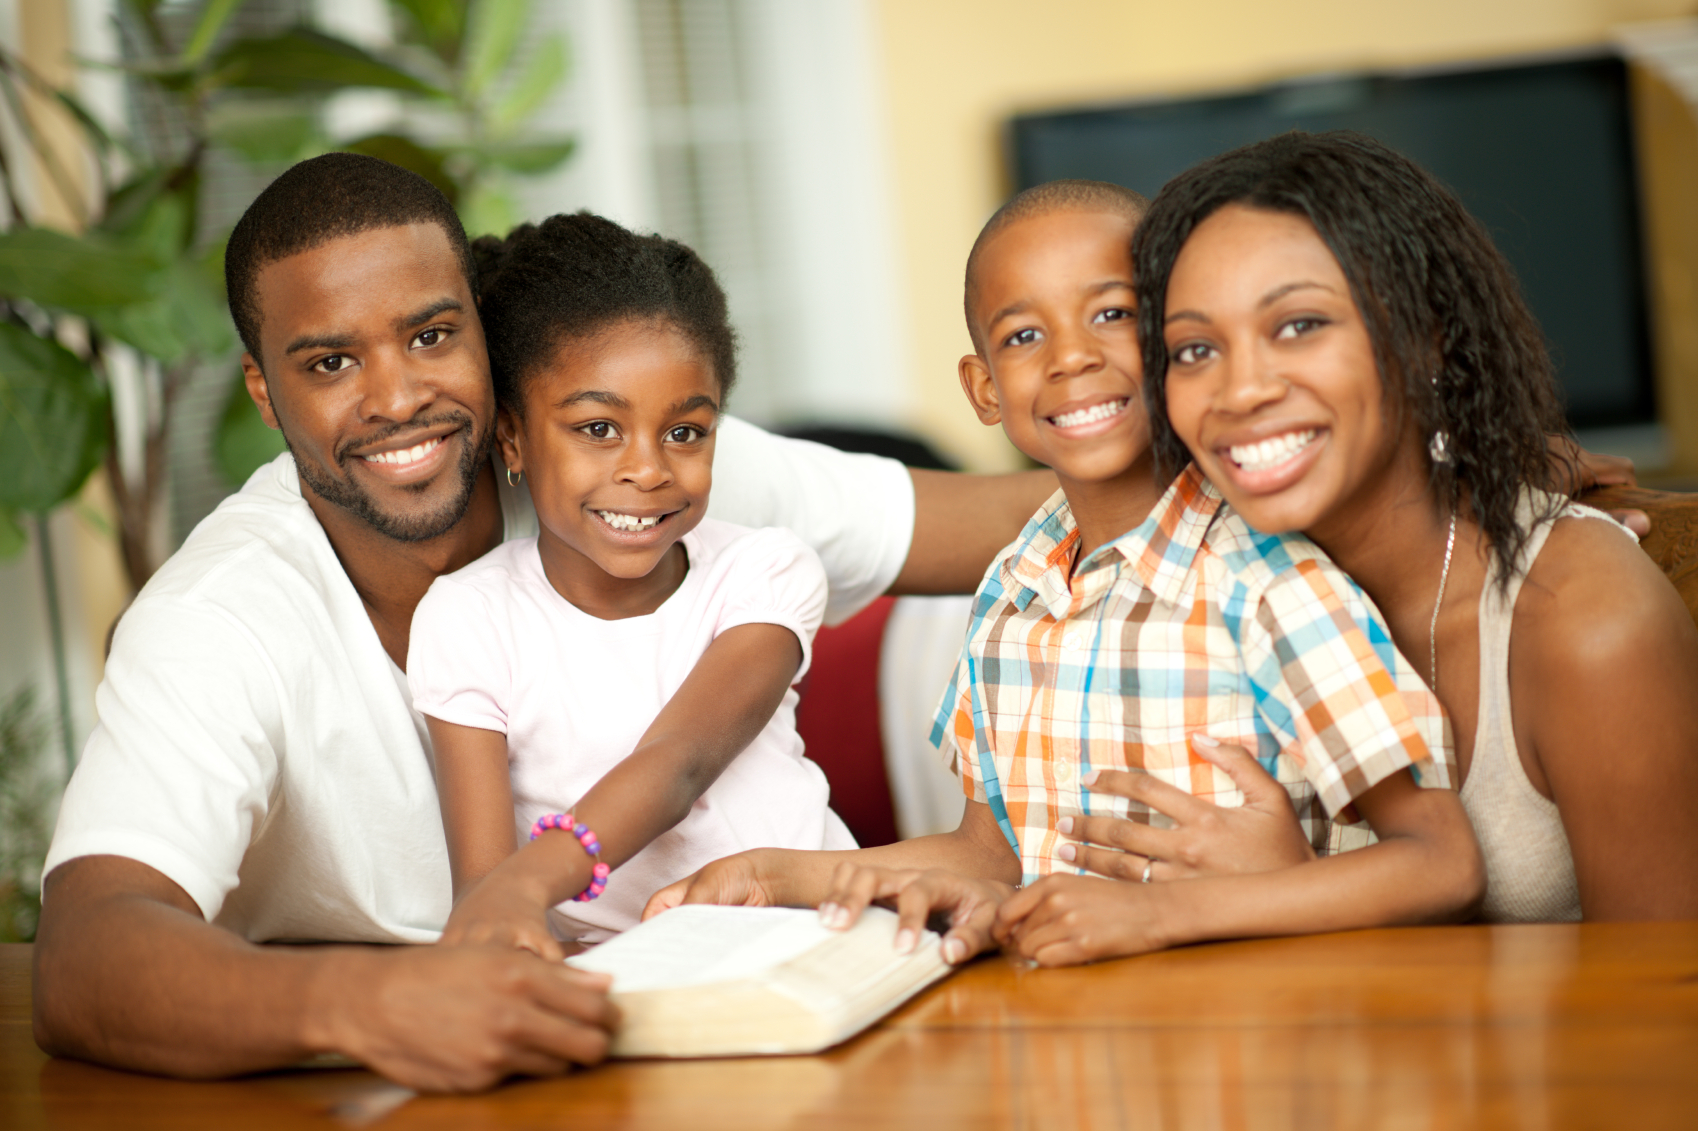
(1541, 152)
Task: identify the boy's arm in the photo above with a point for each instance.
(723, 704)
(1426, 868)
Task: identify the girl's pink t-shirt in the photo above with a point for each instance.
(494, 646)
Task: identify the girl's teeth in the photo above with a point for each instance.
(1270, 453)
(627, 522)
(407, 455)
(1090, 415)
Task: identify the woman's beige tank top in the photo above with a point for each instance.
(1529, 868)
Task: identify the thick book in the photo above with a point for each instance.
(701, 981)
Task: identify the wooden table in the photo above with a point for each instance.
(1446, 1027)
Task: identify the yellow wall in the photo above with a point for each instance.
(956, 69)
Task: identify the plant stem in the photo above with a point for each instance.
(56, 636)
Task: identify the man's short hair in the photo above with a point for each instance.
(323, 199)
(1040, 200)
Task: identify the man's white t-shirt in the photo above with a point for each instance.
(496, 647)
(257, 746)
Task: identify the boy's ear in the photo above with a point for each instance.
(976, 382)
(507, 439)
(254, 379)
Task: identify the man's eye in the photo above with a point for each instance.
(428, 338)
(1021, 338)
(684, 434)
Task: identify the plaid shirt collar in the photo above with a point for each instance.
(1160, 550)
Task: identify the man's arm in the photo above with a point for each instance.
(128, 973)
(961, 521)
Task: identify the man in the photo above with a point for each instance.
(258, 774)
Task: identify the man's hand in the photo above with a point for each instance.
(969, 904)
(1068, 920)
(733, 881)
(460, 1019)
(1574, 469)
(1207, 840)
(500, 911)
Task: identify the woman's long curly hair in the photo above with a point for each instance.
(573, 276)
(1454, 341)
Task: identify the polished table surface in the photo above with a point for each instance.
(1443, 1027)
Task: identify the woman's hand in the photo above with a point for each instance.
(1262, 835)
(969, 904)
(503, 911)
(1068, 920)
(732, 881)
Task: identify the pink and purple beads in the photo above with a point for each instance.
(585, 836)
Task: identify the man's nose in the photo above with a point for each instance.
(393, 390)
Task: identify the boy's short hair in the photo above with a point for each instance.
(1040, 200)
(322, 199)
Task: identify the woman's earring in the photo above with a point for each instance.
(511, 481)
(1439, 447)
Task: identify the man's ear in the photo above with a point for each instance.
(259, 391)
(507, 439)
(976, 382)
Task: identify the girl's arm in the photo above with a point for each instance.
(725, 702)
(1603, 669)
(1426, 868)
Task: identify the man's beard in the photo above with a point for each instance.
(346, 493)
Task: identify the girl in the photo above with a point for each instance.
(1341, 349)
(619, 688)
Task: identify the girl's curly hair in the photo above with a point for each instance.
(1454, 341)
(572, 276)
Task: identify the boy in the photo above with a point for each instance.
(1116, 627)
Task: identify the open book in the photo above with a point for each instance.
(736, 981)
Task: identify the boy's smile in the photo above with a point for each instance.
(1058, 364)
(617, 442)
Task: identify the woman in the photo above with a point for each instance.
(1341, 349)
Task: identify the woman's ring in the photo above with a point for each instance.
(1149, 862)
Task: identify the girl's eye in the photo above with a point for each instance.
(1191, 353)
(1297, 327)
(335, 363)
(1113, 314)
(598, 429)
(684, 434)
(431, 337)
(1021, 337)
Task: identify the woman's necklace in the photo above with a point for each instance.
(1438, 602)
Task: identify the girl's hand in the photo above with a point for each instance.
(1068, 920)
(970, 904)
(730, 881)
(503, 914)
(1262, 835)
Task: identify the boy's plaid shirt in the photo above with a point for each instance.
(1191, 622)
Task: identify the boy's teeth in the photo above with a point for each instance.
(1090, 415)
(406, 455)
(1270, 453)
(627, 522)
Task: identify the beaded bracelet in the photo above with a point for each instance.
(566, 823)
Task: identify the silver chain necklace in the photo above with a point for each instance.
(1438, 602)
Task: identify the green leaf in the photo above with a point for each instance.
(441, 24)
(264, 131)
(304, 61)
(526, 157)
(75, 274)
(409, 154)
(213, 17)
(487, 211)
(53, 421)
(189, 319)
(12, 536)
(493, 28)
(542, 73)
(245, 443)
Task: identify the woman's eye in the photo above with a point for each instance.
(428, 338)
(684, 434)
(1297, 327)
(1191, 353)
(1021, 338)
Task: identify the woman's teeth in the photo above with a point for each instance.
(1091, 415)
(1270, 453)
(406, 455)
(629, 523)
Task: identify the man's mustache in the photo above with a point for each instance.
(417, 424)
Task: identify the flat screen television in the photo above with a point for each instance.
(1540, 151)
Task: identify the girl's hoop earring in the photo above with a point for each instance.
(512, 482)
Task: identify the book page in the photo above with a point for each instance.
(700, 944)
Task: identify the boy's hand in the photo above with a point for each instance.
(731, 881)
(504, 914)
(1207, 840)
(1068, 920)
(970, 905)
